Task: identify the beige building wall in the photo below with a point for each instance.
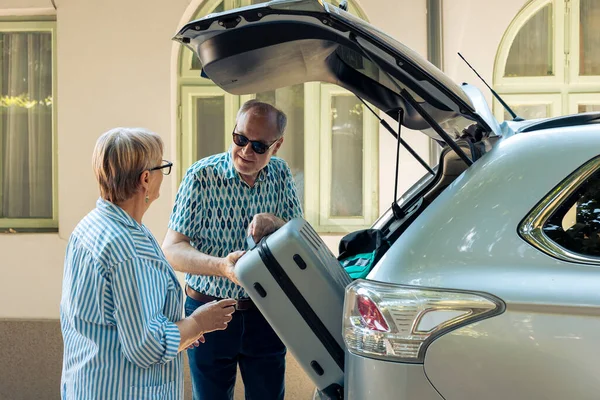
(113, 70)
(117, 67)
(475, 29)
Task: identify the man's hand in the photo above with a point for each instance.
(214, 316)
(228, 266)
(264, 224)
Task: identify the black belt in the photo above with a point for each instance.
(242, 304)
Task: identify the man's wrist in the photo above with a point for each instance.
(277, 222)
(222, 266)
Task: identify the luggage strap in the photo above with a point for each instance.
(314, 322)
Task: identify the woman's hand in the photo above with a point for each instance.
(210, 317)
(197, 342)
(214, 316)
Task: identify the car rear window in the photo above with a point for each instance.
(575, 225)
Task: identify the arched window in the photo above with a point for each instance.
(548, 63)
(331, 142)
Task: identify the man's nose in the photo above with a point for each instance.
(247, 149)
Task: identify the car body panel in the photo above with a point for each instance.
(546, 343)
(528, 352)
(374, 379)
(468, 237)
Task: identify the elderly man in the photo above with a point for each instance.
(222, 198)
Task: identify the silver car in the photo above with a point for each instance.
(491, 287)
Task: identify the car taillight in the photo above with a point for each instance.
(397, 323)
(370, 314)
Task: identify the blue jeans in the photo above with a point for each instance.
(248, 341)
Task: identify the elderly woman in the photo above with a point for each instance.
(121, 307)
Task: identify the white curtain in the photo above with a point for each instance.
(26, 125)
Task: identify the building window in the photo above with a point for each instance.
(27, 134)
(548, 62)
(331, 140)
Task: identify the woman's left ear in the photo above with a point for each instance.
(145, 179)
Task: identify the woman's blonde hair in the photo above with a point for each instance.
(120, 156)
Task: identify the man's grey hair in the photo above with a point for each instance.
(261, 108)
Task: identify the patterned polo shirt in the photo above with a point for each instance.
(214, 207)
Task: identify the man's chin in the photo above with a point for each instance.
(244, 170)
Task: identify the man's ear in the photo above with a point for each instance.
(277, 146)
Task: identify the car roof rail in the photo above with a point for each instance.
(589, 118)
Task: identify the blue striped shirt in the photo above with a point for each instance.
(214, 207)
(120, 300)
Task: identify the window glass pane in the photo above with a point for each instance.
(196, 65)
(529, 111)
(583, 108)
(26, 125)
(532, 51)
(219, 8)
(291, 101)
(589, 49)
(346, 156)
(210, 126)
(576, 224)
(267, 97)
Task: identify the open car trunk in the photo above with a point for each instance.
(287, 42)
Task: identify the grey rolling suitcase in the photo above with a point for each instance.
(298, 285)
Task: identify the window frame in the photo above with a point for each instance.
(566, 82)
(191, 85)
(553, 100)
(189, 123)
(186, 57)
(37, 224)
(327, 222)
(539, 84)
(577, 99)
(581, 83)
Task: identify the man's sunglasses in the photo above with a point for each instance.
(257, 147)
(165, 167)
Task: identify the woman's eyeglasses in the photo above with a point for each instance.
(165, 167)
(257, 147)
